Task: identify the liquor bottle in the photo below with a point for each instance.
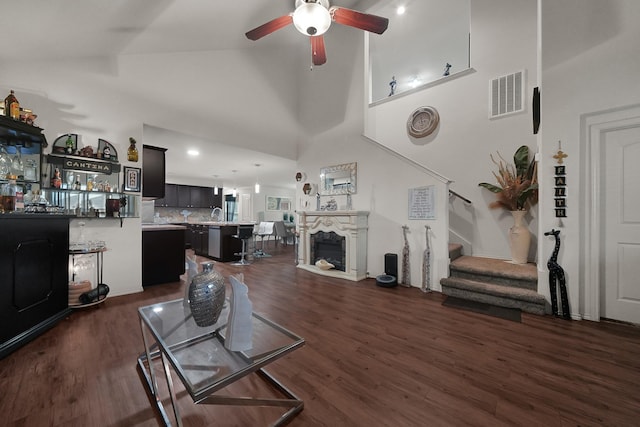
(12, 107)
(132, 152)
(69, 145)
(9, 193)
(56, 181)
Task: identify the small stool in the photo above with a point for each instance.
(244, 233)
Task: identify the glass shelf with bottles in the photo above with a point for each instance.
(88, 194)
(23, 161)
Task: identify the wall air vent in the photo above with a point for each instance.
(506, 95)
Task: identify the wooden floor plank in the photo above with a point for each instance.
(373, 357)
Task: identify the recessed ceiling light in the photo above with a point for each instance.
(193, 152)
(400, 10)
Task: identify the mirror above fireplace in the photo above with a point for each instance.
(338, 179)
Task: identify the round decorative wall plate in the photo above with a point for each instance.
(423, 121)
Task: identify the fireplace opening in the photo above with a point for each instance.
(330, 247)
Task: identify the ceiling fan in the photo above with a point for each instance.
(313, 18)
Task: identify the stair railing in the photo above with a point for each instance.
(453, 194)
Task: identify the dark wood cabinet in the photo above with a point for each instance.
(153, 172)
(200, 239)
(189, 196)
(162, 254)
(170, 197)
(196, 197)
(34, 263)
(184, 196)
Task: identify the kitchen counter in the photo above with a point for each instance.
(162, 227)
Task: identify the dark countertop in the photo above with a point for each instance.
(22, 215)
(162, 227)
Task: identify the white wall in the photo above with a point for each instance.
(590, 63)
(503, 40)
(331, 112)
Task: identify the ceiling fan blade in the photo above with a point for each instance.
(269, 27)
(364, 21)
(318, 52)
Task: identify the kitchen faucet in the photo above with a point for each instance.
(217, 213)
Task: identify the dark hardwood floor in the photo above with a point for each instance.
(373, 357)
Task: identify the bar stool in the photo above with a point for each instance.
(265, 229)
(244, 233)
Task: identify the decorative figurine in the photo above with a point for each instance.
(106, 153)
(556, 274)
(406, 268)
(393, 83)
(426, 265)
(446, 69)
(239, 325)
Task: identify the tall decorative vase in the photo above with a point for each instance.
(206, 295)
(519, 238)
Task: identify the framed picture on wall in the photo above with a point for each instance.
(132, 179)
(278, 203)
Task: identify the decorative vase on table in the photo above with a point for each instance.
(206, 295)
(519, 238)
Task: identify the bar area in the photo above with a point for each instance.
(48, 193)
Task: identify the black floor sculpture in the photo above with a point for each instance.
(556, 275)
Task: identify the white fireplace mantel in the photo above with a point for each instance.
(352, 225)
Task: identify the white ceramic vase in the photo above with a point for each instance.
(519, 238)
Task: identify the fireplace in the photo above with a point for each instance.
(330, 247)
(339, 237)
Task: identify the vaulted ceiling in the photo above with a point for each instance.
(145, 30)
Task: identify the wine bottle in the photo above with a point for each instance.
(12, 107)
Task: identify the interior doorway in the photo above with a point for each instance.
(612, 223)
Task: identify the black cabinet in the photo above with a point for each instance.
(199, 238)
(162, 255)
(189, 196)
(153, 172)
(170, 197)
(184, 196)
(34, 262)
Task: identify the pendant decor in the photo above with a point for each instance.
(206, 295)
(519, 238)
(560, 185)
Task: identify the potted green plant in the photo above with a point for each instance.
(517, 191)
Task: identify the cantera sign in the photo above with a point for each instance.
(88, 165)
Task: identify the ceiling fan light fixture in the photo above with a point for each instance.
(312, 19)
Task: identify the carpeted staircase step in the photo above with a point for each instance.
(495, 271)
(455, 251)
(504, 296)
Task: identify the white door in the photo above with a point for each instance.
(620, 286)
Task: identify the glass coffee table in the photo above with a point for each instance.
(199, 359)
